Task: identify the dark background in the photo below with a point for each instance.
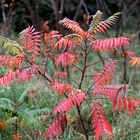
(15, 15)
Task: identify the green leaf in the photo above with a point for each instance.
(10, 45)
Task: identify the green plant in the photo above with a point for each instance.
(16, 114)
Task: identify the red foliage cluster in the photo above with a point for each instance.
(11, 61)
(56, 128)
(109, 91)
(69, 103)
(109, 44)
(105, 76)
(72, 25)
(135, 61)
(63, 52)
(60, 74)
(66, 59)
(31, 40)
(100, 124)
(25, 75)
(51, 39)
(62, 88)
(126, 105)
(66, 42)
(4, 60)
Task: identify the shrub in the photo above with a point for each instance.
(75, 75)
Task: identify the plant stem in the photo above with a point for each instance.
(124, 67)
(80, 85)
(82, 123)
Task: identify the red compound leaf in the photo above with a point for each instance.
(11, 61)
(112, 92)
(56, 128)
(135, 61)
(69, 41)
(69, 103)
(31, 40)
(109, 44)
(24, 75)
(66, 59)
(100, 125)
(62, 88)
(4, 60)
(105, 76)
(51, 39)
(126, 105)
(72, 25)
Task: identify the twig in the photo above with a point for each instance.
(78, 68)
(78, 10)
(75, 81)
(105, 7)
(47, 3)
(101, 58)
(97, 62)
(39, 70)
(129, 9)
(131, 76)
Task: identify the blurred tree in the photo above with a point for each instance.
(18, 14)
(7, 13)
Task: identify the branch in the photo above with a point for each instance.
(86, 9)
(78, 68)
(97, 62)
(78, 10)
(3, 13)
(47, 3)
(45, 75)
(55, 9)
(61, 7)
